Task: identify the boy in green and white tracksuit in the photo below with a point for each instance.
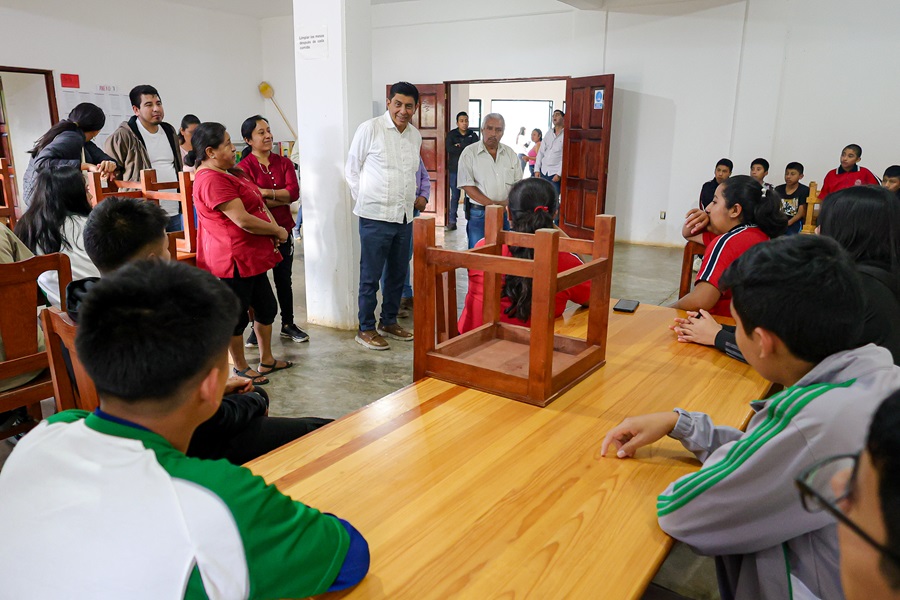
(742, 506)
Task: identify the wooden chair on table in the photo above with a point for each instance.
(186, 240)
(18, 329)
(59, 336)
(531, 365)
(691, 250)
(7, 193)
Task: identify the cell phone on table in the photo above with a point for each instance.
(628, 306)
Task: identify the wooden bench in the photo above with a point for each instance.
(530, 365)
(812, 202)
(8, 193)
(59, 336)
(151, 189)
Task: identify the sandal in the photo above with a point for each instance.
(259, 379)
(274, 367)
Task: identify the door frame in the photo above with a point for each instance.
(49, 83)
(451, 120)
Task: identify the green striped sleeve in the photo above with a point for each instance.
(781, 409)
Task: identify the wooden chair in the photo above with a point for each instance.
(812, 202)
(59, 336)
(530, 365)
(176, 254)
(8, 193)
(691, 249)
(18, 328)
(119, 189)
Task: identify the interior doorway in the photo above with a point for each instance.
(27, 110)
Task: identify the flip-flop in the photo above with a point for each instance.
(272, 368)
(255, 379)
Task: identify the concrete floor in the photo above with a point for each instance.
(333, 375)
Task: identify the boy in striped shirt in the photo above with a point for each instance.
(741, 506)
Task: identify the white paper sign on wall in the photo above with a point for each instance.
(312, 42)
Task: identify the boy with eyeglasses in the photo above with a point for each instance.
(863, 492)
(741, 506)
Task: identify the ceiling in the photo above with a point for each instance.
(261, 9)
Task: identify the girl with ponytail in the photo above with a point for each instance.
(743, 213)
(68, 144)
(532, 205)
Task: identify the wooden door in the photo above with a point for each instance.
(430, 121)
(589, 103)
(8, 191)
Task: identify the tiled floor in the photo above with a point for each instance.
(333, 375)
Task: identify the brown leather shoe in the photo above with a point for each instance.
(395, 332)
(406, 303)
(371, 340)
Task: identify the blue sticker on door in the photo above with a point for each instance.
(598, 99)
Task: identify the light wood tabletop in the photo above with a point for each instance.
(462, 494)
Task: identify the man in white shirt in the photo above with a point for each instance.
(549, 158)
(381, 172)
(146, 142)
(487, 170)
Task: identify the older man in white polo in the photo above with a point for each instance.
(487, 169)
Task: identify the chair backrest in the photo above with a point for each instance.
(18, 318)
(59, 336)
(8, 192)
(119, 189)
(812, 204)
(691, 249)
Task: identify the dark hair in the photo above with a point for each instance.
(883, 445)
(461, 113)
(247, 128)
(865, 221)
(795, 166)
(141, 90)
(118, 228)
(406, 89)
(540, 134)
(532, 205)
(892, 171)
(725, 162)
(856, 148)
(58, 193)
(558, 111)
(186, 121)
(811, 271)
(126, 326)
(762, 162)
(760, 206)
(85, 117)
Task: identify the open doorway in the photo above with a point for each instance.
(27, 110)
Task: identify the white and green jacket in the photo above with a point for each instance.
(100, 508)
(743, 506)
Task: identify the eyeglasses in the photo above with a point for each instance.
(830, 485)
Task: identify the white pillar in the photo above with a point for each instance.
(334, 88)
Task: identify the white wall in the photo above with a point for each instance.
(202, 62)
(29, 116)
(278, 69)
(695, 81)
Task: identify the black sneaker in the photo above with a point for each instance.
(251, 341)
(294, 333)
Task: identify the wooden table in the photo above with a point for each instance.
(468, 495)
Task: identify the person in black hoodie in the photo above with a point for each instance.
(123, 230)
(69, 144)
(865, 220)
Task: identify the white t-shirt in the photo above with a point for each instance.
(162, 160)
(73, 231)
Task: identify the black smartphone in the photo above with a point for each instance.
(628, 306)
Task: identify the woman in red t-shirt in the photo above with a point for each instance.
(237, 241)
(532, 204)
(742, 214)
(277, 181)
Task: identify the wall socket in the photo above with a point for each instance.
(662, 215)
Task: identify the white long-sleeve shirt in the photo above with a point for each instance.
(381, 170)
(549, 157)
